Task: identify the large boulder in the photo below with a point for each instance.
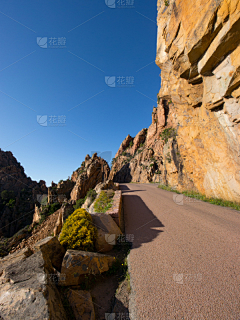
(51, 249)
(27, 291)
(81, 303)
(108, 231)
(77, 263)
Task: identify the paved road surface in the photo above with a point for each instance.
(185, 261)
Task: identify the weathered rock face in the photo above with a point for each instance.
(18, 194)
(27, 291)
(198, 53)
(107, 231)
(77, 263)
(93, 171)
(51, 249)
(82, 305)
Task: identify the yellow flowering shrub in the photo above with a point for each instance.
(78, 232)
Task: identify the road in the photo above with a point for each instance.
(185, 260)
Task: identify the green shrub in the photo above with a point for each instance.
(48, 210)
(78, 232)
(11, 203)
(166, 3)
(79, 203)
(168, 157)
(103, 202)
(168, 133)
(131, 144)
(7, 195)
(91, 194)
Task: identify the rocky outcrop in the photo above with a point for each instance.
(193, 142)
(51, 249)
(124, 145)
(78, 263)
(27, 291)
(18, 194)
(93, 171)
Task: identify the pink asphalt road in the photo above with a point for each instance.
(185, 260)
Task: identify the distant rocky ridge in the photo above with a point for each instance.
(193, 142)
(18, 194)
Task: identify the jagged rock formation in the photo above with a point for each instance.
(193, 141)
(27, 291)
(18, 193)
(92, 171)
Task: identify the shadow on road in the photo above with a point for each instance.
(139, 219)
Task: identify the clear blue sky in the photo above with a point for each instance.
(99, 42)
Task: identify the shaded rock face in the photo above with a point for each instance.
(27, 291)
(82, 305)
(18, 194)
(93, 171)
(199, 56)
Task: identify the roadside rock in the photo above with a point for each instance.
(82, 305)
(27, 292)
(77, 263)
(52, 250)
(108, 231)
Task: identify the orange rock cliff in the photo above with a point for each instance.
(193, 141)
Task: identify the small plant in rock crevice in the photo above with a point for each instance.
(167, 134)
